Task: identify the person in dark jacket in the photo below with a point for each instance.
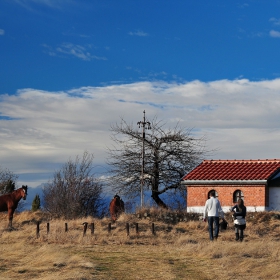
(239, 213)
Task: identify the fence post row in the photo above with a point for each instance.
(85, 224)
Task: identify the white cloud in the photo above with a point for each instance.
(274, 33)
(2, 32)
(242, 6)
(275, 21)
(139, 33)
(40, 130)
(69, 49)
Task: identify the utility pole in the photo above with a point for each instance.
(143, 125)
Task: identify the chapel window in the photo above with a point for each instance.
(237, 194)
(216, 193)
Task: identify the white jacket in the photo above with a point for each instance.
(213, 208)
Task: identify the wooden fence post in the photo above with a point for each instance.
(109, 228)
(153, 229)
(92, 228)
(66, 227)
(127, 229)
(48, 228)
(38, 230)
(136, 228)
(85, 228)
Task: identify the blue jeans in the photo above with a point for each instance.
(213, 220)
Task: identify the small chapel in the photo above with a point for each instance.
(257, 182)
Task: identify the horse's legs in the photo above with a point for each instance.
(113, 215)
(10, 215)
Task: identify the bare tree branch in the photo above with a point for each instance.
(169, 154)
(74, 191)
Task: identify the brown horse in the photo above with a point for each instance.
(116, 207)
(9, 202)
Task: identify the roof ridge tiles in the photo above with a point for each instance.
(235, 169)
(240, 160)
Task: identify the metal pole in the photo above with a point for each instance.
(143, 161)
(143, 124)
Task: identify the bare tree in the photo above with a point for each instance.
(74, 191)
(7, 181)
(169, 155)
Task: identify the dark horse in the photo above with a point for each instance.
(116, 207)
(9, 202)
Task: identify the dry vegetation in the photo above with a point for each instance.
(177, 251)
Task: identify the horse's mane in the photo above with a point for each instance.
(21, 188)
(16, 190)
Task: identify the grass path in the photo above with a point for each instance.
(56, 261)
(51, 261)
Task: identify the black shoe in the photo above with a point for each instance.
(215, 237)
(237, 236)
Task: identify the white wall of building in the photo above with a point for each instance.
(226, 209)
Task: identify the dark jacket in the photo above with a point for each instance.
(239, 216)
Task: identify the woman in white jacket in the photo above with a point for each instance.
(239, 214)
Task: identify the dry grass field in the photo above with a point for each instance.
(177, 251)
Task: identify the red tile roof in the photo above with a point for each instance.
(234, 170)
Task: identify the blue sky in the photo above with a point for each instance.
(57, 45)
(71, 68)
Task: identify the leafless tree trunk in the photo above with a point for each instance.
(74, 191)
(169, 154)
